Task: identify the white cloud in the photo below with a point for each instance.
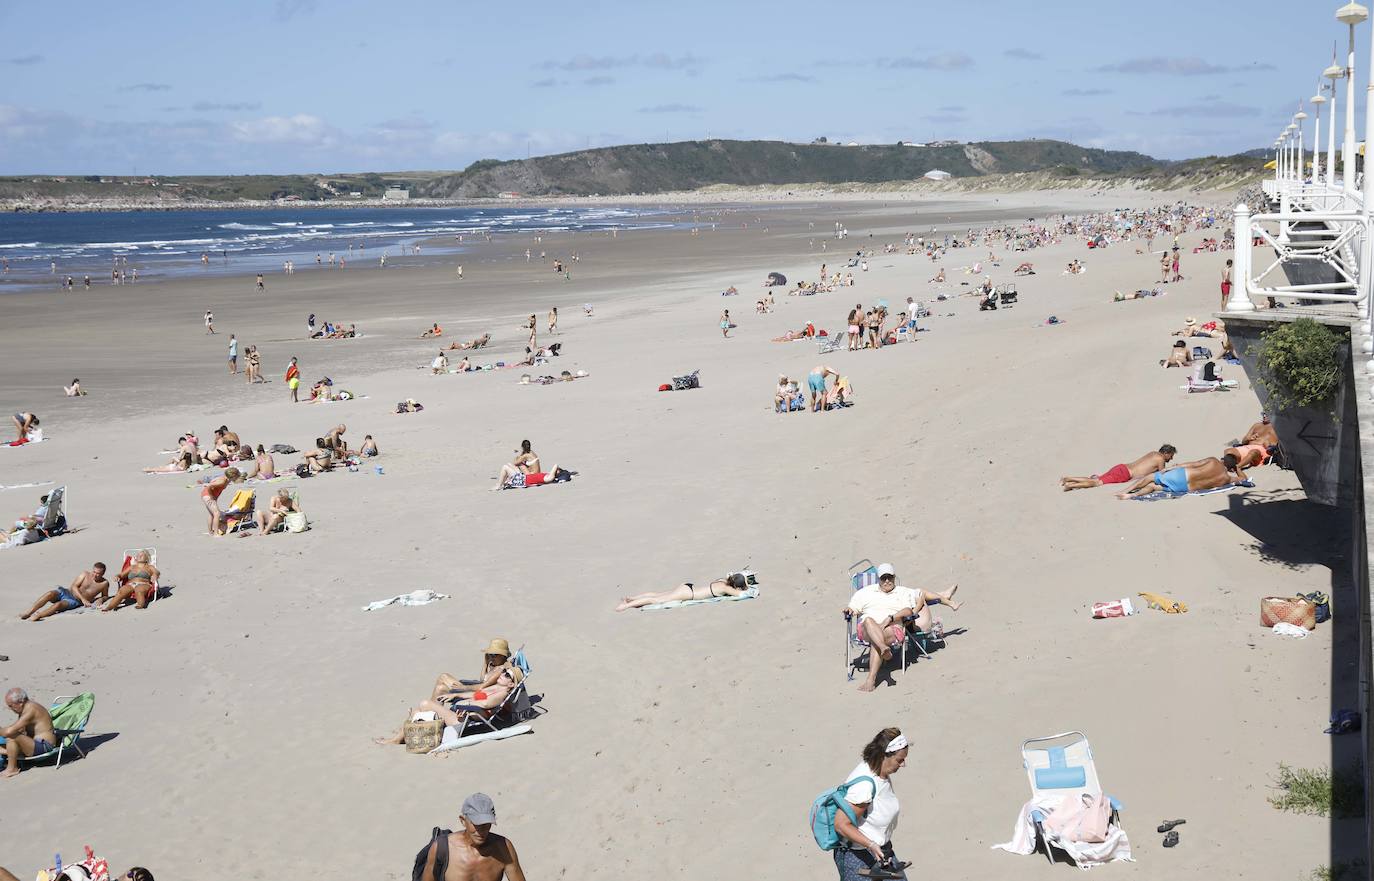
(301, 128)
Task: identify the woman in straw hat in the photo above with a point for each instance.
(453, 699)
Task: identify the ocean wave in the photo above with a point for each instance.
(246, 226)
(23, 245)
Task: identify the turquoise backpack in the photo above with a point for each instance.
(823, 811)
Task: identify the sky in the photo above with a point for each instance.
(287, 86)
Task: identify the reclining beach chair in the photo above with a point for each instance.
(515, 709)
(1008, 294)
(1057, 766)
(55, 514)
(152, 558)
(240, 511)
(69, 718)
(828, 344)
(857, 651)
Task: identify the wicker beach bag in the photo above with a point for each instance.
(1288, 610)
(422, 737)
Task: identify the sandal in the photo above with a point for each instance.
(886, 869)
(1171, 839)
(1168, 825)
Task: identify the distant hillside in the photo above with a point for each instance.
(689, 165)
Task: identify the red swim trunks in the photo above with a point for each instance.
(1116, 474)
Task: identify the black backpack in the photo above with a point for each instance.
(1209, 372)
(438, 839)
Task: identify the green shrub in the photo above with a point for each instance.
(1318, 791)
(1300, 364)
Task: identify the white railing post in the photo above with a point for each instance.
(1285, 206)
(1348, 177)
(1240, 269)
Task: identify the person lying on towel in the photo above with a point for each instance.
(511, 477)
(1204, 474)
(1148, 464)
(731, 586)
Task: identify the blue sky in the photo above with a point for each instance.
(336, 85)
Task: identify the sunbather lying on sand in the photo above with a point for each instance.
(85, 590)
(1024, 269)
(939, 276)
(1179, 356)
(472, 344)
(136, 582)
(275, 515)
(1209, 473)
(1146, 464)
(729, 586)
(511, 477)
(1252, 456)
(1261, 432)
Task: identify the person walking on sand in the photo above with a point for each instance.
(293, 379)
(209, 321)
(866, 850)
(474, 852)
(1225, 283)
(725, 324)
(1177, 275)
(553, 319)
(262, 286)
(1165, 264)
(233, 354)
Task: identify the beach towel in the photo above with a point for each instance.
(1165, 494)
(452, 741)
(422, 597)
(29, 440)
(750, 594)
(1085, 854)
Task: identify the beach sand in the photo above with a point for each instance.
(232, 731)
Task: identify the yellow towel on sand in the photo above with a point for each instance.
(1163, 603)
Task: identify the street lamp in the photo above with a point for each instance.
(1317, 101)
(1350, 15)
(1332, 73)
(1298, 120)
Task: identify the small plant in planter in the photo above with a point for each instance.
(1300, 365)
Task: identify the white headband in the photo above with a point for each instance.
(898, 743)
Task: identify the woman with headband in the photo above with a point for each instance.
(867, 853)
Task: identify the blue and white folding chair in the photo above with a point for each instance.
(1060, 765)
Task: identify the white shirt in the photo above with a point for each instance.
(881, 820)
(873, 602)
(912, 308)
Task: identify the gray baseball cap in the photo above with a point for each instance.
(478, 809)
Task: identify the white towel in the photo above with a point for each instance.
(1085, 855)
(27, 485)
(421, 597)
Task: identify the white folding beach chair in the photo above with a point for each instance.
(1060, 765)
(55, 513)
(863, 574)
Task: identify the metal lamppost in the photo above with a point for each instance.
(1317, 101)
(1297, 121)
(1350, 15)
(1332, 73)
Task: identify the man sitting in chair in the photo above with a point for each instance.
(32, 733)
(885, 609)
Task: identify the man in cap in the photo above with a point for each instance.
(474, 853)
(884, 610)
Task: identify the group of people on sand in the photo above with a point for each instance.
(33, 528)
(136, 583)
(329, 330)
(526, 470)
(1154, 471)
(1181, 354)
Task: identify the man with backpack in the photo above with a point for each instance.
(474, 853)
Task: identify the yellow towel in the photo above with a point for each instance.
(1163, 603)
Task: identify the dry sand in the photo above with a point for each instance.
(231, 735)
